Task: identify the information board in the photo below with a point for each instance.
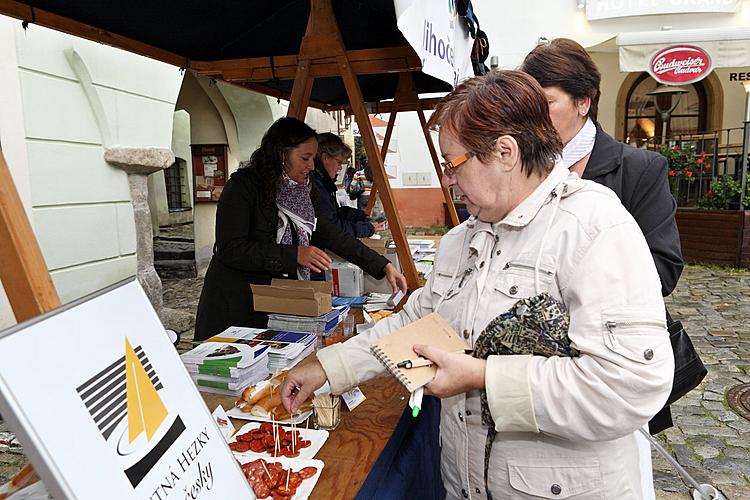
(105, 408)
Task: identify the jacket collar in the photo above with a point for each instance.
(528, 208)
(605, 157)
(323, 176)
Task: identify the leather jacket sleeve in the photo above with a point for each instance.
(328, 236)
(239, 242)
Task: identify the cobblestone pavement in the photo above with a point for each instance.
(710, 440)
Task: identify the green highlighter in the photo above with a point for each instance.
(415, 401)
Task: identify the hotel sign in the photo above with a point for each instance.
(680, 65)
(607, 9)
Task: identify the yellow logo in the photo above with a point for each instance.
(124, 402)
(146, 411)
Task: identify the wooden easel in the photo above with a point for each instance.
(23, 272)
(406, 99)
(322, 54)
(321, 41)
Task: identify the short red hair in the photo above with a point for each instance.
(499, 103)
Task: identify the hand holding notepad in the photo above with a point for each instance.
(398, 346)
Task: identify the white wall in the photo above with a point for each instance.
(181, 146)
(80, 206)
(609, 66)
(513, 28)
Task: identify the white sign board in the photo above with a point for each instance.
(439, 37)
(606, 9)
(105, 409)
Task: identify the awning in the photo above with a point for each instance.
(257, 43)
(728, 47)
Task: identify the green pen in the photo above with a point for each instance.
(415, 401)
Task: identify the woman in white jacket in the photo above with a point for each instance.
(564, 425)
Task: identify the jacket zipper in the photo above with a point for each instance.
(612, 325)
(526, 266)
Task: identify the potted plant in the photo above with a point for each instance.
(715, 232)
(724, 194)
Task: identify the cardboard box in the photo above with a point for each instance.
(382, 285)
(347, 279)
(302, 298)
(380, 246)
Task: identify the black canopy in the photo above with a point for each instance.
(185, 31)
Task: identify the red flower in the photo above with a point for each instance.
(699, 161)
(672, 173)
(709, 193)
(675, 148)
(689, 173)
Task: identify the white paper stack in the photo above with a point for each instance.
(285, 348)
(226, 367)
(321, 325)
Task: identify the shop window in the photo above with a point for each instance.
(175, 184)
(643, 124)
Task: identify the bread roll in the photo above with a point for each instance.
(255, 393)
(266, 406)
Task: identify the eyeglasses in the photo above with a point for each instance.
(451, 167)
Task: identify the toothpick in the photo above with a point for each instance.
(307, 423)
(275, 434)
(288, 472)
(263, 463)
(294, 434)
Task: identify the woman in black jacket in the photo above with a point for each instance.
(266, 227)
(333, 153)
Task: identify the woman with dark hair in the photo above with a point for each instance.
(266, 227)
(571, 80)
(333, 153)
(571, 354)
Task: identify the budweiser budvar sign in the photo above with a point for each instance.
(680, 65)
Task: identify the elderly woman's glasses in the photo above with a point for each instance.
(451, 167)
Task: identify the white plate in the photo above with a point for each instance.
(306, 488)
(317, 439)
(297, 419)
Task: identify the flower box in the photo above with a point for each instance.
(715, 236)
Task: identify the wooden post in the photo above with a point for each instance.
(436, 161)
(379, 174)
(301, 91)
(23, 272)
(407, 98)
(383, 154)
(323, 40)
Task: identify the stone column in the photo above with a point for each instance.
(139, 163)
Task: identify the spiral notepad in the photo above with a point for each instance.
(398, 346)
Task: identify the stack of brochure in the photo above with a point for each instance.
(320, 325)
(226, 367)
(285, 349)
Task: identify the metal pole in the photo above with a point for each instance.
(703, 491)
(745, 140)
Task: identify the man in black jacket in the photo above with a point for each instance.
(332, 155)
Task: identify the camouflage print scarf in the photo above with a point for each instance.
(537, 325)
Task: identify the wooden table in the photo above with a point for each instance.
(351, 449)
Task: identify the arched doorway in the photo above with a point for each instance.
(643, 122)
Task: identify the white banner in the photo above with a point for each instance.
(105, 408)
(606, 9)
(439, 37)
